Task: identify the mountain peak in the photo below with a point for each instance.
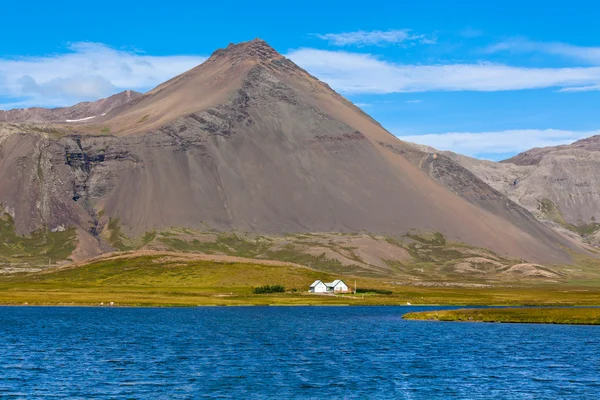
(257, 50)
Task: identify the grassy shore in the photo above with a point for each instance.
(573, 316)
(190, 297)
(159, 280)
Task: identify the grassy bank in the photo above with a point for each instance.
(573, 316)
(166, 280)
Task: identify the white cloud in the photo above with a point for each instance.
(413, 101)
(591, 88)
(88, 71)
(500, 143)
(376, 38)
(364, 73)
(590, 55)
(79, 86)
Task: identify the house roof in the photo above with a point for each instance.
(334, 283)
(330, 284)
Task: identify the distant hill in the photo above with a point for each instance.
(78, 113)
(560, 185)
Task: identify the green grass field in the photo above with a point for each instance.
(159, 280)
(573, 316)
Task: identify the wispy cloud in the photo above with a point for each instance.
(592, 88)
(590, 55)
(413, 101)
(87, 71)
(488, 144)
(376, 38)
(351, 72)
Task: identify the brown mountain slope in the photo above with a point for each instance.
(73, 114)
(564, 185)
(249, 141)
(560, 185)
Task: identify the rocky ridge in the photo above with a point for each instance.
(75, 114)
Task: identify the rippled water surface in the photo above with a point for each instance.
(277, 352)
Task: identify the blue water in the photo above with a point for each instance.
(277, 352)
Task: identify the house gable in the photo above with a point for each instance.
(335, 286)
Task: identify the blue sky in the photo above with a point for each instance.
(486, 80)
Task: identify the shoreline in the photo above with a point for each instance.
(458, 307)
(512, 315)
(235, 305)
(548, 315)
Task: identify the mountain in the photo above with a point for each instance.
(560, 185)
(249, 142)
(77, 113)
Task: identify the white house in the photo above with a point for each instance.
(318, 287)
(337, 286)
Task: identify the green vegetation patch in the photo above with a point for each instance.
(269, 289)
(232, 244)
(38, 248)
(430, 238)
(550, 210)
(434, 258)
(291, 253)
(373, 290)
(148, 237)
(144, 118)
(227, 243)
(165, 271)
(574, 316)
(115, 237)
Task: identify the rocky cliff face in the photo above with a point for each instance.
(559, 185)
(248, 141)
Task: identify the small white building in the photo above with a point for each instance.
(318, 287)
(337, 286)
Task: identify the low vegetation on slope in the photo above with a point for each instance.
(416, 256)
(41, 248)
(179, 279)
(575, 316)
(413, 257)
(173, 271)
(549, 210)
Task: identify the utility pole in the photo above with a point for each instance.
(355, 287)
